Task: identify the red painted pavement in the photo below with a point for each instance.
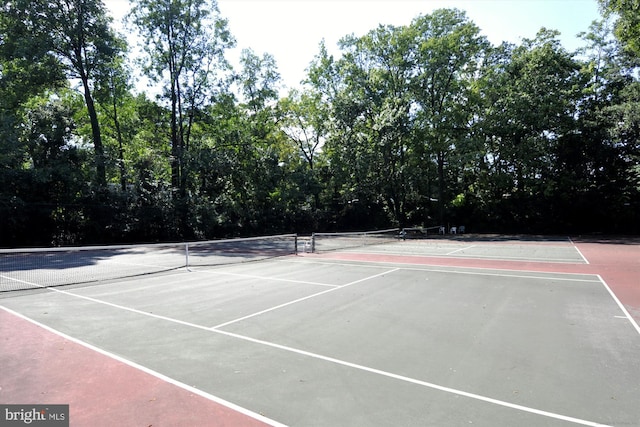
(40, 367)
(619, 266)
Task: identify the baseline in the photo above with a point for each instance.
(456, 255)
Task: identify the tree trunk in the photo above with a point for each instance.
(123, 170)
(441, 185)
(101, 171)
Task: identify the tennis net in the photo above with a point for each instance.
(40, 268)
(323, 242)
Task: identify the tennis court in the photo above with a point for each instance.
(442, 332)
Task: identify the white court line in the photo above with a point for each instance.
(461, 249)
(416, 381)
(369, 264)
(480, 271)
(578, 250)
(151, 372)
(624, 310)
(13, 279)
(483, 257)
(517, 276)
(96, 282)
(251, 276)
(123, 285)
(301, 299)
(583, 257)
(304, 353)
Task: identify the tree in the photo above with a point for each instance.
(184, 41)
(368, 137)
(77, 34)
(402, 101)
(261, 155)
(448, 53)
(112, 93)
(44, 169)
(608, 148)
(28, 68)
(48, 191)
(627, 26)
(258, 80)
(531, 96)
(83, 40)
(305, 123)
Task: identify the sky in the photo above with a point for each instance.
(291, 30)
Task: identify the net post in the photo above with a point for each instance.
(295, 239)
(313, 243)
(186, 256)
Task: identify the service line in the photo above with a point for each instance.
(286, 304)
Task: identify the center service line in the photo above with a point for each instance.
(277, 307)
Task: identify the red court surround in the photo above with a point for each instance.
(40, 367)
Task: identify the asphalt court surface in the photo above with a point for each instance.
(550, 251)
(310, 340)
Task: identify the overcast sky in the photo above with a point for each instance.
(291, 30)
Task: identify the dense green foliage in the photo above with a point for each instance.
(421, 124)
(627, 25)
